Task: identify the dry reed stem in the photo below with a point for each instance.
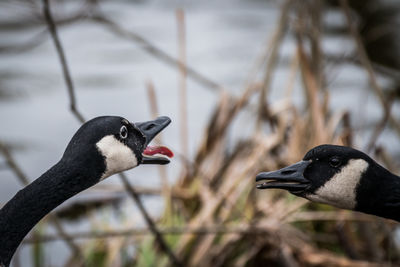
(199, 257)
(315, 10)
(311, 88)
(346, 239)
(158, 139)
(366, 63)
(183, 110)
(12, 164)
(114, 247)
(140, 231)
(330, 216)
(144, 191)
(226, 197)
(274, 46)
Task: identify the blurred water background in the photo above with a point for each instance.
(111, 76)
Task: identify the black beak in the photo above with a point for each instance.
(290, 178)
(150, 129)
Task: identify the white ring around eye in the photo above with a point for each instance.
(123, 132)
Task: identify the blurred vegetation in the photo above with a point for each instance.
(213, 215)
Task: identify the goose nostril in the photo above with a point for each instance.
(288, 172)
(150, 126)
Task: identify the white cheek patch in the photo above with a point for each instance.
(118, 156)
(340, 190)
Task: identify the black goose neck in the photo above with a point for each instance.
(379, 193)
(32, 203)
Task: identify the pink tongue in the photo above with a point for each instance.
(151, 150)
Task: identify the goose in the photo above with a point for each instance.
(100, 148)
(342, 177)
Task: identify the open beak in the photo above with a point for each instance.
(149, 129)
(290, 178)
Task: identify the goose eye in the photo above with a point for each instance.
(334, 162)
(123, 132)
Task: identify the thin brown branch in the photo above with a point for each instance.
(12, 164)
(187, 230)
(35, 19)
(152, 227)
(30, 22)
(78, 115)
(304, 216)
(204, 230)
(40, 37)
(33, 42)
(60, 52)
(178, 193)
(155, 51)
(379, 128)
(162, 55)
(70, 87)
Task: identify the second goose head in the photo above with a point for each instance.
(339, 176)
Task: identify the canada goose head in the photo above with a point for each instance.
(111, 144)
(336, 175)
